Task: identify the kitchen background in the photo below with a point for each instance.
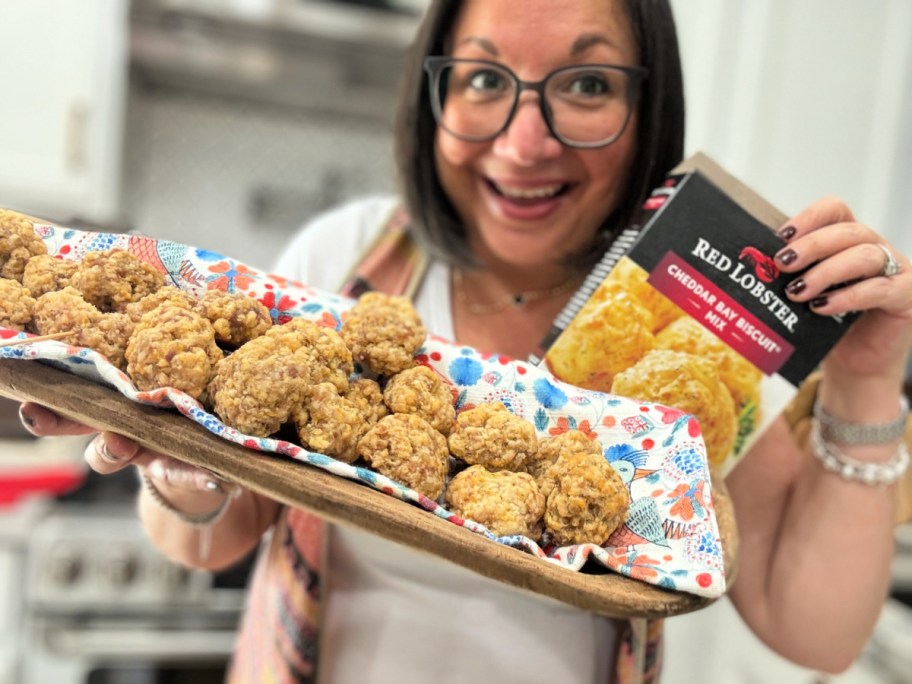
(228, 123)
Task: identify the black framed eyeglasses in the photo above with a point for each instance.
(584, 105)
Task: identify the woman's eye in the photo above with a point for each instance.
(486, 81)
(588, 84)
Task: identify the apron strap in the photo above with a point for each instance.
(392, 263)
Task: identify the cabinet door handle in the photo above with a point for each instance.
(75, 140)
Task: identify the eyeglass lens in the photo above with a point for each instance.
(586, 104)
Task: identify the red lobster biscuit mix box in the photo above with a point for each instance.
(687, 309)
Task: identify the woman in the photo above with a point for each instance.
(514, 203)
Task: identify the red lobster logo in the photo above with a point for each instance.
(764, 266)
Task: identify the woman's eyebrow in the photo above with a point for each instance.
(587, 40)
(483, 43)
(580, 45)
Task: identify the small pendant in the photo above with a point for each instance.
(519, 300)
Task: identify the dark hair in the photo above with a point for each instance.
(660, 132)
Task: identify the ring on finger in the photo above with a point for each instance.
(891, 266)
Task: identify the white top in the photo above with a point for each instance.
(393, 614)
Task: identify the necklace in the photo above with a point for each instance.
(516, 300)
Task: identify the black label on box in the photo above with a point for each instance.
(715, 261)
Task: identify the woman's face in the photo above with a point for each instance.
(525, 198)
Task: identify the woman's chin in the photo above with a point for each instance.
(523, 250)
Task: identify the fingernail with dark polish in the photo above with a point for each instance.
(787, 256)
(796, 287)
(817, 302)
(788, 232)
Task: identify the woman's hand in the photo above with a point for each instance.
(795, 517)
(193, 490)
(174, 493)
(848, 262)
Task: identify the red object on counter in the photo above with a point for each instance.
(50, 482)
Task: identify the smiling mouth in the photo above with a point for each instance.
(537, 194)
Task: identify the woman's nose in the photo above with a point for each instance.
(527, 139)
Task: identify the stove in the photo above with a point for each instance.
(95, 602)
(97, 558)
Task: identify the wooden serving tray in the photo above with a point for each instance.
(346, 502)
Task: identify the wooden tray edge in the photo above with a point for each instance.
(343, 501)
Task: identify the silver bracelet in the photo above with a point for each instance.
(203, 520)
(835, 461)
(840, 431)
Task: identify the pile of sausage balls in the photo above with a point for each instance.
(357, 395)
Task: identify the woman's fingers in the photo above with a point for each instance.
(854, 279)
(846, 266)
(826, 241)
(180, 475)
(109, 452)
(42, 422)
(824, 212)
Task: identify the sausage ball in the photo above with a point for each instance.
(330, 424)
(16, 305)
(587, 501)
(66, 311)
(504, 502)
(113, 278)
(408, 450)
(331, 361)
(367, 396)
(235, 316)
(552, 448)
(257, 387)
(170, 295)
(421, 391)
(490, 436)
(44, 273)
(18, 244)
(173, 347)
(383, 332)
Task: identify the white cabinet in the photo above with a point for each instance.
(63, 66)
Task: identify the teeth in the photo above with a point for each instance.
(529, 193)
